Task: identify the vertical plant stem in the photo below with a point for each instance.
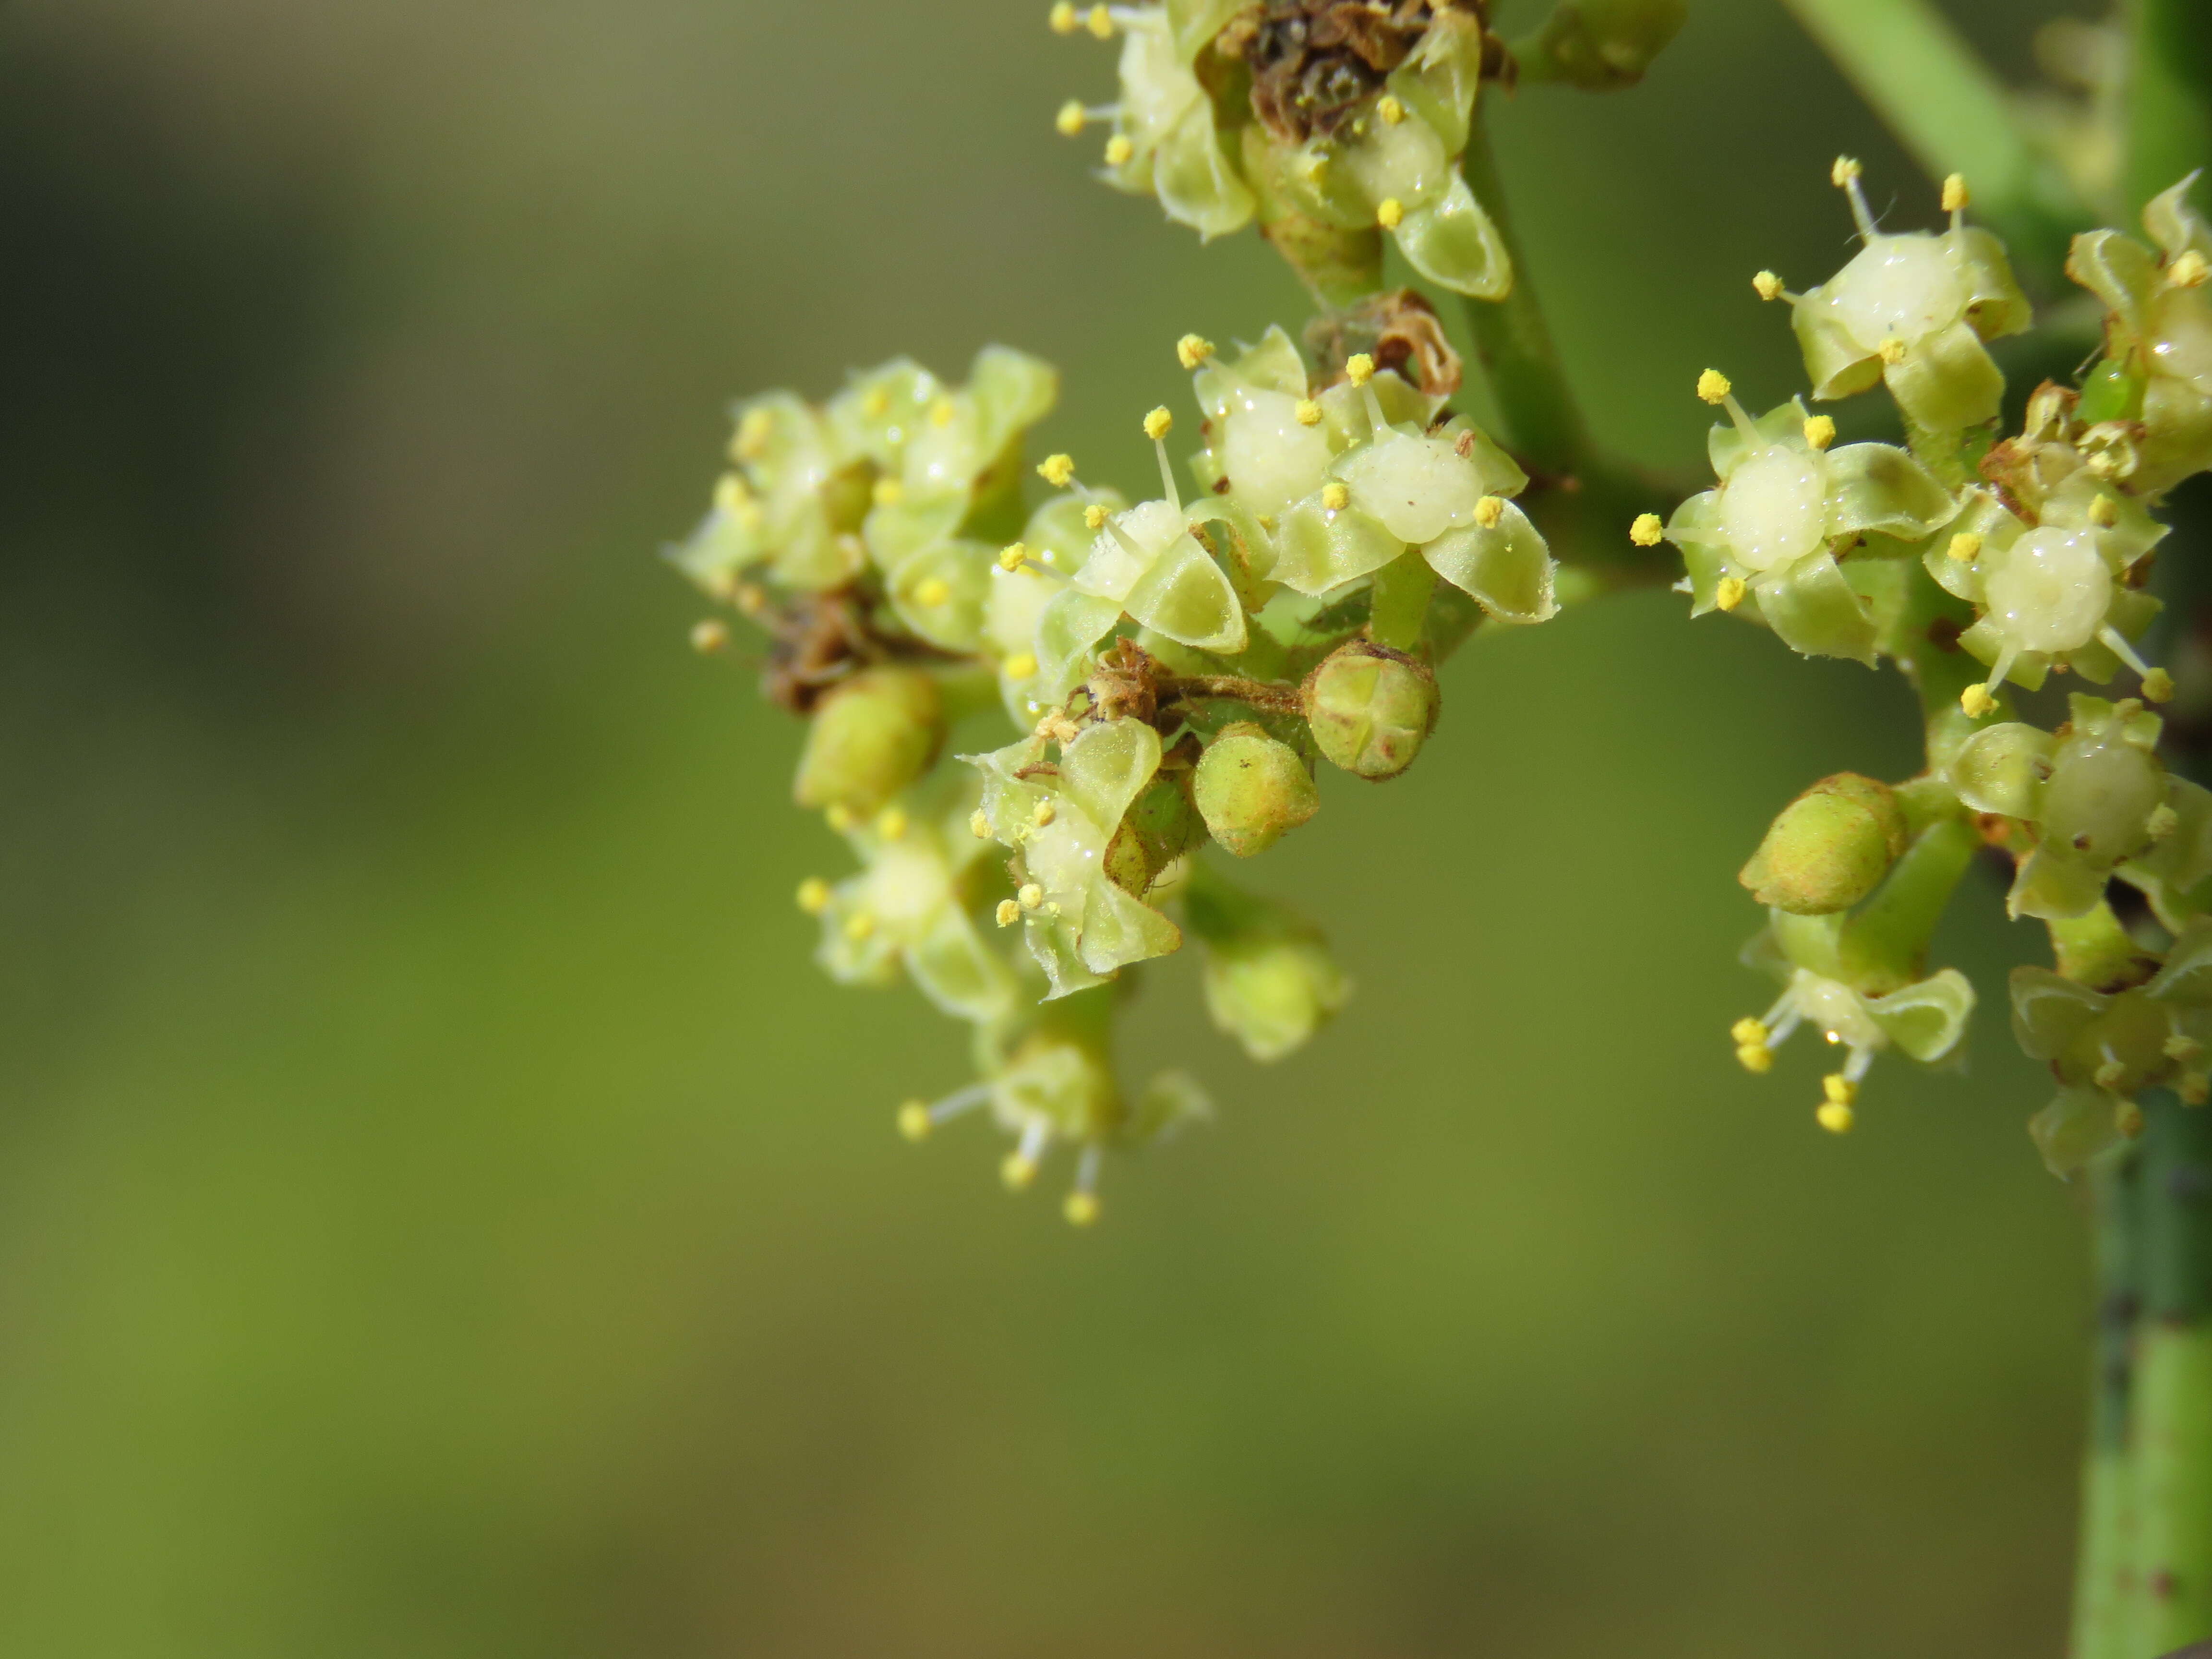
(2169, 94)
(2105, 1589)
(2172, 1432)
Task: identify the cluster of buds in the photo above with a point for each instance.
(1178, 674)
(2025, 555)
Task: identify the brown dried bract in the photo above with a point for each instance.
(1400, 331)
(816, 640)
(1315, 62)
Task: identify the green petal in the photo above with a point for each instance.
(895, 533)
(1926, 1019)
(1170, 1101)
(1196, 183)
(2002, 769)
(1012, 392)
(1982, 642)
(722, 546)
(1317, 550)
(899, 392)
(1185, 596)
(1193, 23)
(812, 556)
(1053, 943)
(1994, 305)
(1405, 161)
(1453, 243)
(2049, 1011)
(1879, 486)
(1835, 361)
(1948, 380)
(1812, 608)
(2174, 225)
(2187, 975)
(955, 969)
(1057, 533)
(1103, 769)
(2073, 1129)
(2054, 887)
(1439, 83)
(2173, 874)
(1118, 930)
(942, 592)
(2119, 270)
(1067, 640)
(1506, 568)
(1499, 473)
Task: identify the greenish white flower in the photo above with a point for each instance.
(2157, 337)
(1786, 506)
(1914, 310)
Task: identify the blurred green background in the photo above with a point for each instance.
(443, 1213)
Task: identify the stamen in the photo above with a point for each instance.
(1336, 497)
(1488, 511)
(1081, 1206)
(1956, 197)
(1965, 547)
(1307, 413)
(1063, 19)
(710, 635)
(1058, 470)
(1820, 431)
(1070, 120)
(2190, 270)
(1844, 175)
(1021, 1165)
(979, 824)
(1729, 592)
(1019, 666)
(1157, 425)
(1647, 531)
(1390, 109)
(916, 1120)
(1390, 213)
(1767, 285)
(1100, 22)
(932, 591)
(1193, 349)
(1007, 913)
(1118, 149)
(813, 896)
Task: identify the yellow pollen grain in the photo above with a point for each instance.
(1158, 424)
(1977, 701)
(710, 635)
(813, 896)
(1965, 547)
(1081, 1209)
(1100, 22)
(1956, 195)
(1839, 1089)
(1390, 213)
(1756, 1058)
(1094, 517)
(1359, 368)
(1031, 895)
(1334, 497)
(1118, 149)
(914, 1121)
(1008, 913)
(2158, 686)
(1891, 350)
(1063, 19)
(1017, 1172)
(1729, 594)
(1767, 285)
(1835, 1117)
(1820, 430)
(1019, 666)
(1647, 529)
(1307, 413)
(1489, 510)
(979, 824)
(933, 591)
(1193, 349)
(1843, 172)
(1042, 814)
(1058, 470)
(2189, 270)
(1747, 1032)
(1069, 121)
(1713, 386)
(1390, 109)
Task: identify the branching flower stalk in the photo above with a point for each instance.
(1044, 712)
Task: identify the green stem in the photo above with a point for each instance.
(2169, 95)
(1942, 100)
(1400, 603)
(2171, 1431)
(2106, 1604)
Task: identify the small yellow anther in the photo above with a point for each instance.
(888, 492)
(754, 431)
(1390, 213)
(2103, 512)
(1081, 1209)
(979, 824)
(2182, 1048)
(1008, 913)
(1042, 814)
(2190, 270)
(1729, 592)
(1094, 517)
(860, 926)
(1956, 195)
(1747, 1032)
(838, 817)
(1193, 349)
(1058, 470)
(942, 411)
(1489, 510)
(891, 823)
(1839, 1089)
(1100, 22)
(1307, 413)
(1158, 423)
(814, 895)
(1118, 149)
(2158, 686)
(1891, 350)
(914, 1121)
(2129, 1119)
(1012, 558)
(1768, 285)
(1359, 368)
(710, 635)
(1965, 547)
(2110, 1075)
(1069, 121)
(1031, 895)
(932, 591)
(1713, 386)
(1835, 1117)
(1647, 531)
(1977, 701)
(1390, 109)
(1843, 172)
(1063, 19)
(1820, 430)
(1334, 497)
(1755, 1057)
(1017, 1172)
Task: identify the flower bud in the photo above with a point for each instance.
(1828, 848)
(870, 738)
(1252, 790)
(1270, 981)
(1161, 825)
(1370, 709)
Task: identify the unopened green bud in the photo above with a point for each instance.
(1270, 981)
(1370, 709)
(1829, 848)
(870, 738)
(1600, 44)
(1252, 790)
(1161, 825)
